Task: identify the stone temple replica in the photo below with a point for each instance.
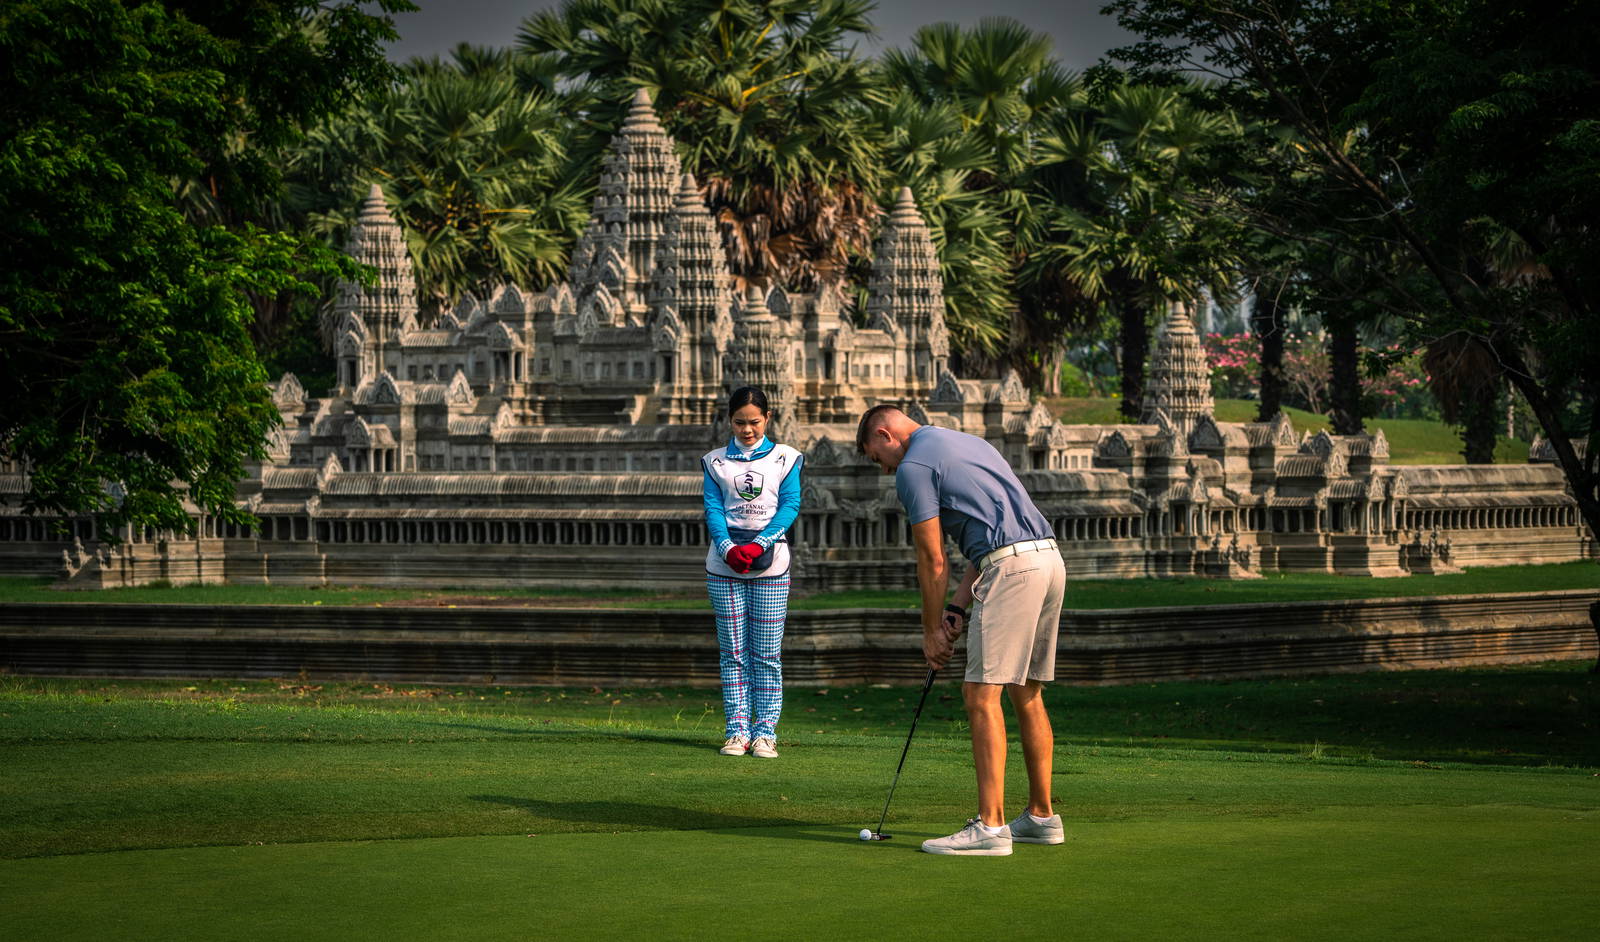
(553, 438)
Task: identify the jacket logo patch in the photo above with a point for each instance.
(748, 485)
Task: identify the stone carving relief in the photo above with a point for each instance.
(459, 392)
(330, 468)
(1113, 445)
(938, 338)
(357, 434)
(383, 391)
(509, 300)
(1011, 389)
(778, 302)
(1206, 436)
(948, 391)
(827, 453)
(289, 392)
(1283, 430)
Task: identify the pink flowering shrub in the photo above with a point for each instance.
(1400, 391)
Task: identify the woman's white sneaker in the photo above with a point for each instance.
(765, 747)
(974, 840)
(1029, 831)
(735, 746)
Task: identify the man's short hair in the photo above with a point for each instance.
(874, 417)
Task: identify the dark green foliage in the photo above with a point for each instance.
(137, 143)
(473, 156)
(1450, 152)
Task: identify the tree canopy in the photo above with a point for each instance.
(138, 145)
(1464, 138)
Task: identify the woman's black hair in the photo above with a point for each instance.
(745, 396)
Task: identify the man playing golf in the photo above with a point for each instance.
(958, 484)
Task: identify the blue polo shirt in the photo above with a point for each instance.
(963, 480)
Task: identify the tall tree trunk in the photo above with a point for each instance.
(1265, 325)
(1582, 473)
(1466, 380)
(1344, 411)
(1479, 421)
(1135, 340)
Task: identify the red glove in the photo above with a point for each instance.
(740, 558)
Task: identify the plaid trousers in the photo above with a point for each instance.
(750, 616)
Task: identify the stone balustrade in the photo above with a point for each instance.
(571, 646)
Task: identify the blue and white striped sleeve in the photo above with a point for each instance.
(716, 513)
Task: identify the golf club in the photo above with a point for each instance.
(927, 685)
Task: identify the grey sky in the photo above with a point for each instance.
(1081, 34)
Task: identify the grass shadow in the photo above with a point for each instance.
(634, 816)
(681, 739)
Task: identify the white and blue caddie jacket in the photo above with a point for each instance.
(758, 491)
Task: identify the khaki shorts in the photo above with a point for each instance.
(1016, 614)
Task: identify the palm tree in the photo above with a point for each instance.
(1139, 228)
(968, 108)
(765, 99)
(924, 147)
(474, 163)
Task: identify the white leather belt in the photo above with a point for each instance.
(1015, 549)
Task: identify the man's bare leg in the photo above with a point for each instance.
(1038, 743)
(988, 749)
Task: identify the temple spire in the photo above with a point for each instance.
(638, 182)
(390, 306)
(760, 357)
(1180, 380)
(906, 288)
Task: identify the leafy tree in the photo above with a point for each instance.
(1451, 130)
(128, 383)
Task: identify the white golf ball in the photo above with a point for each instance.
(866, 834)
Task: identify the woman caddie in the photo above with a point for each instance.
(752, 496)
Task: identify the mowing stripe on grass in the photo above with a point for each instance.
(1371, 872)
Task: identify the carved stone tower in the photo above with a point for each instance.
(690, 323)
(1179, 386)
(638, 184)
(760, 356)
(905, 295)
(369, 320)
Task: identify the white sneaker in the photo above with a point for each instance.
(735, 746)
(972, 841)
(1029, 831)
(765, 747)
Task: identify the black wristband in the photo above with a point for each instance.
(955, 609)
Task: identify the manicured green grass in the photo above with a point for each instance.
(1453, 804)
(1411, 441)
(1082, 594)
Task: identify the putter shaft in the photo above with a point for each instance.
(926, 686)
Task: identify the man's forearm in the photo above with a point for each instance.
(963, 596)
(933, 577)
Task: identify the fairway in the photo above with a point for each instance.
(1271, 809)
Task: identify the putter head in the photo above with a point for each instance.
(880, 836)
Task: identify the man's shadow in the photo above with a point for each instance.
(610, 815)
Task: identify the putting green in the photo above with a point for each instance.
(141, 813)
(1494, 871)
